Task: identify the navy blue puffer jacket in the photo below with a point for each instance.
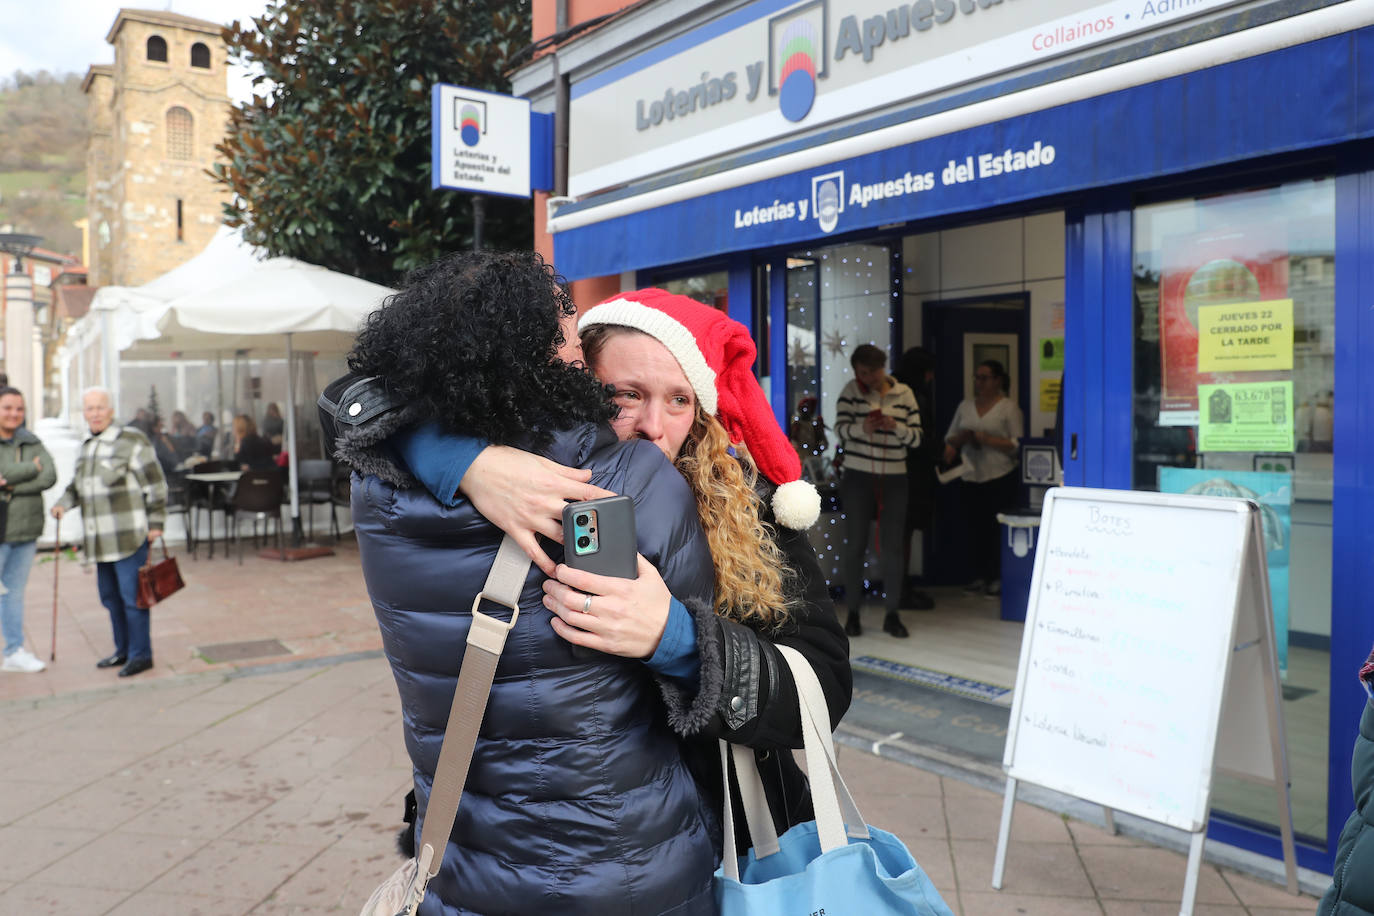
(1352, 884)
(578, 800)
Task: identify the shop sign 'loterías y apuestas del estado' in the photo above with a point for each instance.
(770, 70)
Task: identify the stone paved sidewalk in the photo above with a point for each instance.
(278, 791)
(274, 785)
(314, 608)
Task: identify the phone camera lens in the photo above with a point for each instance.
(581, 521)
(584, 542)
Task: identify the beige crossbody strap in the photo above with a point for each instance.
(486, 639)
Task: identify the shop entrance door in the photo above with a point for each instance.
(962, 333)
(837, 298)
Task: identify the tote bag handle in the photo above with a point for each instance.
(837, 816)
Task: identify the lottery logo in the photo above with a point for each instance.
(471, 117)
(797, 58)
(827, 199)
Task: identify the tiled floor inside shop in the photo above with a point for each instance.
(964, 636)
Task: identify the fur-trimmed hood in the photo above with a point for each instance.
(358, 414)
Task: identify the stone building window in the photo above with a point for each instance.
(179, 127)
(200, 56)
(157, 48)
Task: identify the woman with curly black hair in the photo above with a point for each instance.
(682, 377)
(578, 799)
(468, 344)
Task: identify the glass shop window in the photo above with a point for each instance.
(712, 288)
(1235, 396)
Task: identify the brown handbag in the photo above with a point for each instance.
(159, 580)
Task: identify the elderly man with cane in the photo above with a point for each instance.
(122, 494)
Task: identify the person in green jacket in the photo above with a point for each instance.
(1352, 884)
(26, 470)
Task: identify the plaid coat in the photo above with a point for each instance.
(120, 490)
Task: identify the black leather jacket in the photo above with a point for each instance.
(745, 695)
(756, 702)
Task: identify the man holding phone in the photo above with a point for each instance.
(877, 420)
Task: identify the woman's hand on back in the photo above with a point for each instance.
(523, 494)
(626, 618)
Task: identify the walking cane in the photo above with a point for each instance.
(56, 556)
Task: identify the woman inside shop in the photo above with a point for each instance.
(986, 434)
(916, 370)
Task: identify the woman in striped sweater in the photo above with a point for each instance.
(877, 420)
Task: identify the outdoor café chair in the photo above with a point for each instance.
(203, 497)
(314, 479)
(258, 495)
(179, 503)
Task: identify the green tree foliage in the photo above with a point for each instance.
(43, 156)
(331, 164)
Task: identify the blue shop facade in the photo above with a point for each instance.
(1138, 206)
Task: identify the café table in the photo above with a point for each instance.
(214, 480)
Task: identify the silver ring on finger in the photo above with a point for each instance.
(587, 605)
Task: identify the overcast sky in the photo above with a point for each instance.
(67, 36)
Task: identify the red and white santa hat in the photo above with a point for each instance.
(716, 354)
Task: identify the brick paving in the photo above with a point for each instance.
(316, 608)
(275, 786)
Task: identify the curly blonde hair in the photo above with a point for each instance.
(750, 567)
(751, 571)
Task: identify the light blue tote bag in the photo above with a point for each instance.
(835, 864)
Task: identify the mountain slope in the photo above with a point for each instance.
(43, 157)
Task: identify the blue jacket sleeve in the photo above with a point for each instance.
(676, 655)
(666, 522)
(437, 459)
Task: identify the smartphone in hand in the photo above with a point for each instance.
(599, 536)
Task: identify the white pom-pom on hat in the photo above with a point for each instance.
(797, 505)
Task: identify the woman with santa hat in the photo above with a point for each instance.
(682, 376)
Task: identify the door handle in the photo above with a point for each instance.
(1073, 446)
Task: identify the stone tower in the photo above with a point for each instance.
(154, 118)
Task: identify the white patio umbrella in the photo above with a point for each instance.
(124, 318)
(121, 316)
(311, 307)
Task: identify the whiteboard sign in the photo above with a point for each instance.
(1148, 663)
(480, 141)
(1128, 640)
